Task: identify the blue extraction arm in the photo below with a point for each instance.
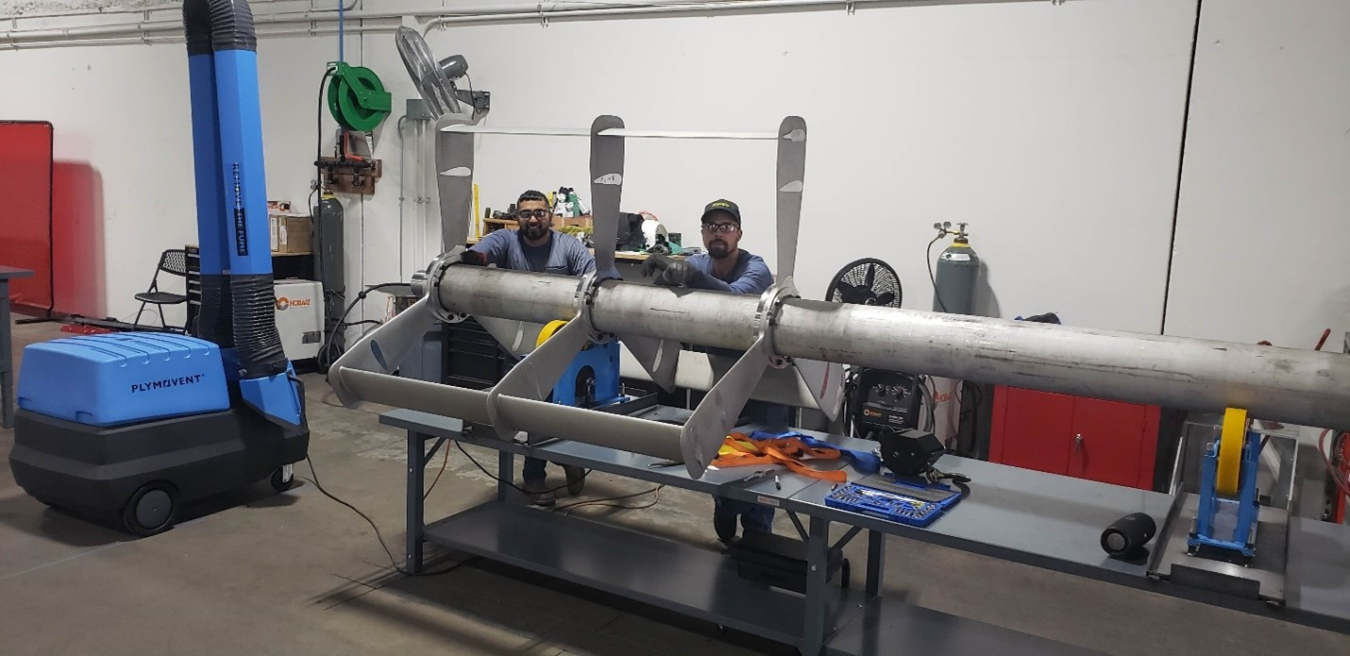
(236, 263)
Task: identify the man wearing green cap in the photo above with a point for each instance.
(726, 267)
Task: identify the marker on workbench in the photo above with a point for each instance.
(776, 483)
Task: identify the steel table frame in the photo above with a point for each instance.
(1038, 519)
(6, 355)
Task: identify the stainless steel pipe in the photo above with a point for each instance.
(1280, 384)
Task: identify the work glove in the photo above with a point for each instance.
(670, 272)
(473, 258)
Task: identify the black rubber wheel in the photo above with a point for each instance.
(151, 510)
(283, 478)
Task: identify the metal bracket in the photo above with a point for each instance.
(586, 289)
(454, 179)
(801, 530)
(707, 427)
(766, 316)
(382, 350)
(791, 176)
(606, 169)
(428, 284)
(535, 376)
(435, 446)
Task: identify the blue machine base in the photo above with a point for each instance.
(1241, 539)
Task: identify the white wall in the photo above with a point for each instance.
(1263, 232)
(124, 110)
(1053, 130)
(133, 130)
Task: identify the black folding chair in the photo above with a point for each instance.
(172, 262)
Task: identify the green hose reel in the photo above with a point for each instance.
(357, 98)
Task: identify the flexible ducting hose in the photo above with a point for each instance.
(237, 309)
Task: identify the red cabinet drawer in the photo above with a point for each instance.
(1032, 430)
(1105, 441)
(1114, 442)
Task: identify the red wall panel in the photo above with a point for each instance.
(26, 209)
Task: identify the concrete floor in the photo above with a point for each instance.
(299, 574)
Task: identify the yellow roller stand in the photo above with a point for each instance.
(549, 328)
(1234, 434)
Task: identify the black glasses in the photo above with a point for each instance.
(724, 228)
(538, 214)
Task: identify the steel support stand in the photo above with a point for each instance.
(412, 556)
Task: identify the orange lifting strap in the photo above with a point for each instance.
(738, 450)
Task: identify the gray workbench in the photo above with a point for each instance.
(1030, 517)
(6, 356)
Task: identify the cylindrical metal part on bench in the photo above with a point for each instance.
(1279, 384)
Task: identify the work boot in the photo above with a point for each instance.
(576, 479)
(724, 523)
(539, 493)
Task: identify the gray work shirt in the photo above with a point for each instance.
(750, 275)
(562, 255)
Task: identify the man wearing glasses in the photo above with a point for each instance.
(725, 267)
(536, 247)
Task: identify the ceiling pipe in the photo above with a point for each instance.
(438, 17)
(167, 39)
(655, 8)
(175, 7)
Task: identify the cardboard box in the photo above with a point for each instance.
(291, 233)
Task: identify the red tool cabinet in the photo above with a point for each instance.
(1105, 441)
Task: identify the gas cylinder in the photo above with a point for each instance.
(958, 267)
(328, 258)
(329, 267)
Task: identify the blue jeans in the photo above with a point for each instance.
(534, 469)
(754, 517)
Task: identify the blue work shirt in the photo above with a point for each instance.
(562, 255)
(750, 275)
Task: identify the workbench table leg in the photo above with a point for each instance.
(416, 462)
(6, 361)
(876, 562)
(817, 548)
(505, 463)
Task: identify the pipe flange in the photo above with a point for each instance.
(585, 298)
(429, 284)
(766, 317)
